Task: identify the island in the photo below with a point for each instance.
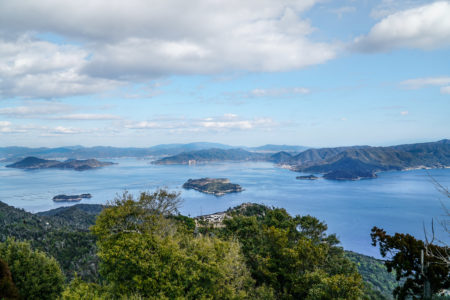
(307, 177)
(215, 186)
(33, 163)
(71, 198)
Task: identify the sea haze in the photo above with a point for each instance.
(396, 201)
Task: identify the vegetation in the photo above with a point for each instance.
(423, 275)
(380, 283)
(293, 255)
(35, 274)
(62, 233)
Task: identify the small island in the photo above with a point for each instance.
(34, 163)
(307, 177)
(71, 198)
(215, 186)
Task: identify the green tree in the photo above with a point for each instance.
(407, 256)
(293, 255)
(36, 275)
(143, 251)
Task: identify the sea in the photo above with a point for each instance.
(397, 201)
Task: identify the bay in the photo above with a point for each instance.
(396, 201)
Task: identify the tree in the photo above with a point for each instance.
(36, 275)
(8, 289)
(293, 255)
(406, 256)
(142, 250)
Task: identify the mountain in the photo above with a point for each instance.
(281, 157)
(80, 152)
(31, 162)
(211, 155)
(350, 163)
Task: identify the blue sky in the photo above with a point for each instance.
(141, 73)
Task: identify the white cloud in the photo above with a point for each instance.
(121, 41)
(418, 83)
(404, 113)
(37, 69)
(425, 27)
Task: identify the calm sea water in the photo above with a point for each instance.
(396, 201)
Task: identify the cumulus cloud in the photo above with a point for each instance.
(31, 68)
(418, 83)
(425, 27)
(404, 113)
(116, 42)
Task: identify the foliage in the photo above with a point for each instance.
(404, 252)
(62, 233)
(36, 275)
(293, 255)
(142, 251)
(380, 283)
(8, 289)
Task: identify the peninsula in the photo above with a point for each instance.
(33, 163)
(215, 186)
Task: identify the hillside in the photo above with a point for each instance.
(211, 155)
(363, 162)
(62, 233)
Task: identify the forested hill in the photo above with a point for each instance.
(63, 233)
(364, 161)
(212, 155)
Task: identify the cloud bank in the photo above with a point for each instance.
(99, 45)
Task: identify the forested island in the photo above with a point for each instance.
(215, 186)
(139, 247)
(34, 163)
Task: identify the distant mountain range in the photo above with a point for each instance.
(79, 152)
(340, 163)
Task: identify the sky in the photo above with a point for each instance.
(144, 72)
